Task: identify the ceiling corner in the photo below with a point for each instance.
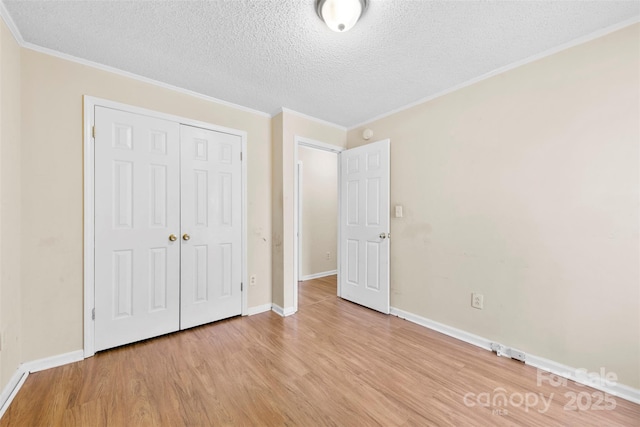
(4, 13)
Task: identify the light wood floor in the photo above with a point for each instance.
(333, 363)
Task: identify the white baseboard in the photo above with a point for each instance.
(258, 309)
(442, 328)
(284, 312)
(23, 371)
(319, 275)
(578, 375)
(54, 361)
(12, 388)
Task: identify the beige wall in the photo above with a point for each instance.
(10, 242)
(525, 188)
(276, 209)
(52, 288)
(284, 280)
(319, 211)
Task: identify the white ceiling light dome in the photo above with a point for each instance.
(340, 15)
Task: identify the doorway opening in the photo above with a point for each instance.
(316, 218)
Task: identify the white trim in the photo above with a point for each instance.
(20, 375)
(258, 309)
(12, 388)
(4, 13)
(283, 312)
(338, 222)
(316, 145)
(319, 275)
(296, 226)
(442, 328)
(160, 115)
(89, 106)
(299, 204)
(244, 208)
(88, 229)
(53, 361)
(6, 17)
(311, 118)
(580, 40)
(140, 78)
(619, 390)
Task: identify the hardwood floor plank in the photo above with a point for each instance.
(334, 363)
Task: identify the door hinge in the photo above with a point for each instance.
(241, 156)
(93, 314)
(93, 132)
(241, 286)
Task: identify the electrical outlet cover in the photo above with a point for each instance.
(477, 301)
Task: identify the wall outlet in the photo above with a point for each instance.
(328, 255)
(253, 280)
(3, 339)
(477, 301)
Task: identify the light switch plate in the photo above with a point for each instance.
(398, 211)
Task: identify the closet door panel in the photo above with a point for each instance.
(211, 226)
(137, 193)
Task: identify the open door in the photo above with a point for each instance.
(364, 229)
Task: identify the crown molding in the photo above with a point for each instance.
(575, 42)
(580, 40)
(51, 52)
(313, 119)
(4, 13)
(140, 78)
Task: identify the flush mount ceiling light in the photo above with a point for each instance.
(340, 15)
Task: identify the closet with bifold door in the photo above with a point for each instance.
(168, 226)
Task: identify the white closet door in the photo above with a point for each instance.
(137, 277)
(211, 226)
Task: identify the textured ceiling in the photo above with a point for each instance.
(268, 54)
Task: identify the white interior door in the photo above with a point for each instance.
(137, 275)
(364, 217)
(211, 226)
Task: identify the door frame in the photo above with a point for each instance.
(89, 104)
(318, 145)
(299, 177)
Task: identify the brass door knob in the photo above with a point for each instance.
(185, 236)
(173, 237)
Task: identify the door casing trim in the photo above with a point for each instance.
(89, 104)
(300, 141)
